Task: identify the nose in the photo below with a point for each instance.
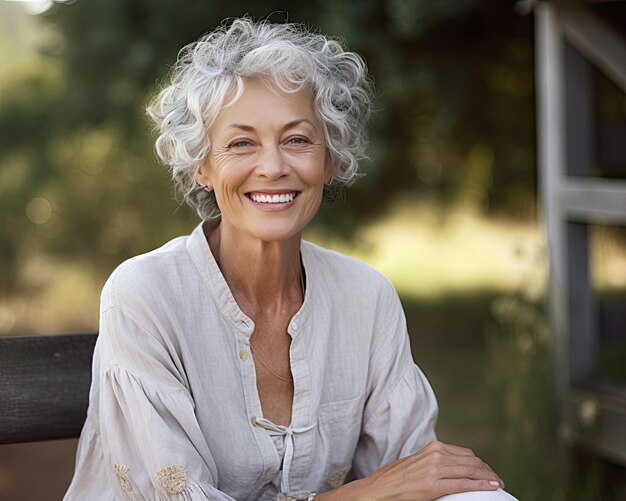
(271, 163)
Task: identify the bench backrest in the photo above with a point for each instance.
(44, 386)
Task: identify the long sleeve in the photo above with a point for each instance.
(151, 441)
(143, 423)
(401, 410)
(149, 430)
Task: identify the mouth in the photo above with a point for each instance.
(272, 198)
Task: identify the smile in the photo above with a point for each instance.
(272, 198)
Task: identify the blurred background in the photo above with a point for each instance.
(448, 209)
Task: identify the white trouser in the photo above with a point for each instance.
(497, 495)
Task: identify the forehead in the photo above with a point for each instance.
(263, 102)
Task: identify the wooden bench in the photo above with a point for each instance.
(44, 386)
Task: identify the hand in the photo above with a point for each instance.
(434, 471)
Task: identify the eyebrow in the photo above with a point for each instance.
(288, 125)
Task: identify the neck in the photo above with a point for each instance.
(264, 277)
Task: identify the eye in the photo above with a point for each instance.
(298, 140)
(240, 143)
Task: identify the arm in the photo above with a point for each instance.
(151, 444)
(397, 456)
(436, 470)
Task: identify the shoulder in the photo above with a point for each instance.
(347, 274)
(141, 277)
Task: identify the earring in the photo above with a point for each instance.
(202, 186)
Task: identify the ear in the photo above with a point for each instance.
(202, 176)
(329, 169)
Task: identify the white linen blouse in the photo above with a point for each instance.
(174, 411)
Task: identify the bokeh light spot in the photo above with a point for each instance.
(39, 210)
(7, 319)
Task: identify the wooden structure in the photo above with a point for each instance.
(572, 42)
(44, 386)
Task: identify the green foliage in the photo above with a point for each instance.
(533, 452)
(453, 78)
(520, 373)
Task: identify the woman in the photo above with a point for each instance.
(240, 362)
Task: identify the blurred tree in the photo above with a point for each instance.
(454, 81)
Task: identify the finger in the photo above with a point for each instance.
(465, 452)
(485, 465)
(442, 454)
(459, 451)
(451, 466)
(454, 486)
(467, 471)
(499, 479)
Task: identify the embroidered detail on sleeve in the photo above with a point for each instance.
(338, 477)
(172, 478)
(122, 475)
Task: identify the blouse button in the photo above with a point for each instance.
(253, 420)
(243, 355)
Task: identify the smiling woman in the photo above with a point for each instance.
(240, 362)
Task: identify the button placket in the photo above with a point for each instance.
(301, 406)
(243, 331)
(244, 340)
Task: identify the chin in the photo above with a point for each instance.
(277, 232)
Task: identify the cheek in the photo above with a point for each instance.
(313, 170)
(230, 175)
(227, 194)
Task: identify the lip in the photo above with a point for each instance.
(272, 192)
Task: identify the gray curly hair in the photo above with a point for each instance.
(293, 57)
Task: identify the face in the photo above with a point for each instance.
(268, 162)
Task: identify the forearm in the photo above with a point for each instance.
(353, 491)
(436, 470)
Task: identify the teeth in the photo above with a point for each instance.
(273, 199)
